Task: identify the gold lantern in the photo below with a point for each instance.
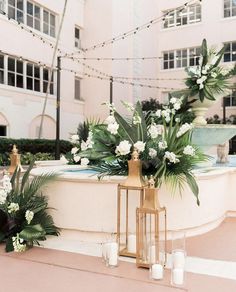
(151, 242)
(134, 183)
(15, 160)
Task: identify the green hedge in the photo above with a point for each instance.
(40, 149)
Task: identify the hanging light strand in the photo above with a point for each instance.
(34, 34)
(136, 30)
(81, 74)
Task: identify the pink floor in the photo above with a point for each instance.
(218, 244)
(51, 270)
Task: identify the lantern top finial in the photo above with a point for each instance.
(135, 154)
(14, 149)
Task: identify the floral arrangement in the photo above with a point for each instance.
(166, 150)
(24, 220)
(81, 141)
(208, 79)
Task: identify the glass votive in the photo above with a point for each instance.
(105, 252)
(156, 269)
(177, 277)
(112, 254)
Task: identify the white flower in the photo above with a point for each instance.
(201, 80)
(167, 118)
(158, 113)
(152, 153)
(140, 146)
(113, 128)
(17, 244)
(201, 86)
(166, 112)
(177, 105)
(3, 196)
(76, 158)
(13, 207)
(74, 150)
(162, 145)
(110, 120)
(177, 120)
(183, 129)
(189, 150)
(89, 141)
(173, 100)
(155, 130)
(29, 215)
(74, 138)
(84, 161)
(123, 148)
(171, 157)
(110, 106)
(136, 120)
(84, 146)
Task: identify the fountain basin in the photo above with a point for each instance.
(84, 203)
(211, 135)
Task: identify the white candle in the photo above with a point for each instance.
(132, 243)
(152, 254)
(157, 272)
(113, 254)
(178, 276)
(178, 259)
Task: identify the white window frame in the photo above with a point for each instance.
(51, 28)
(45, 81)
(230, 52)
(2, 70)
(77, 43)
(52, 17)
(25, 75)
(231, 9)
(181, 17)
(180, 57)
(17, 10)
(16, 74)
(79, 98)
(33, 16)
(34, 79)
(232, 99)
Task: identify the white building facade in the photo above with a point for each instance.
(28, 33)
(172, 41)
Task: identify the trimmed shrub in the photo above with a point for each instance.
(38, 149)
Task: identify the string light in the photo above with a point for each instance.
(81, 74)
(34, 34)
(133, 31)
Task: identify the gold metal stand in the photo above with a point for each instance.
(15, 160)
(134, 182)
(148, 229)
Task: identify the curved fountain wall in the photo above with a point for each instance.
(83, 203)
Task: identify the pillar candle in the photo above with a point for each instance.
(178, 276)
(113, 254)
(179, 259)
(157, 272)
(132, 243)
